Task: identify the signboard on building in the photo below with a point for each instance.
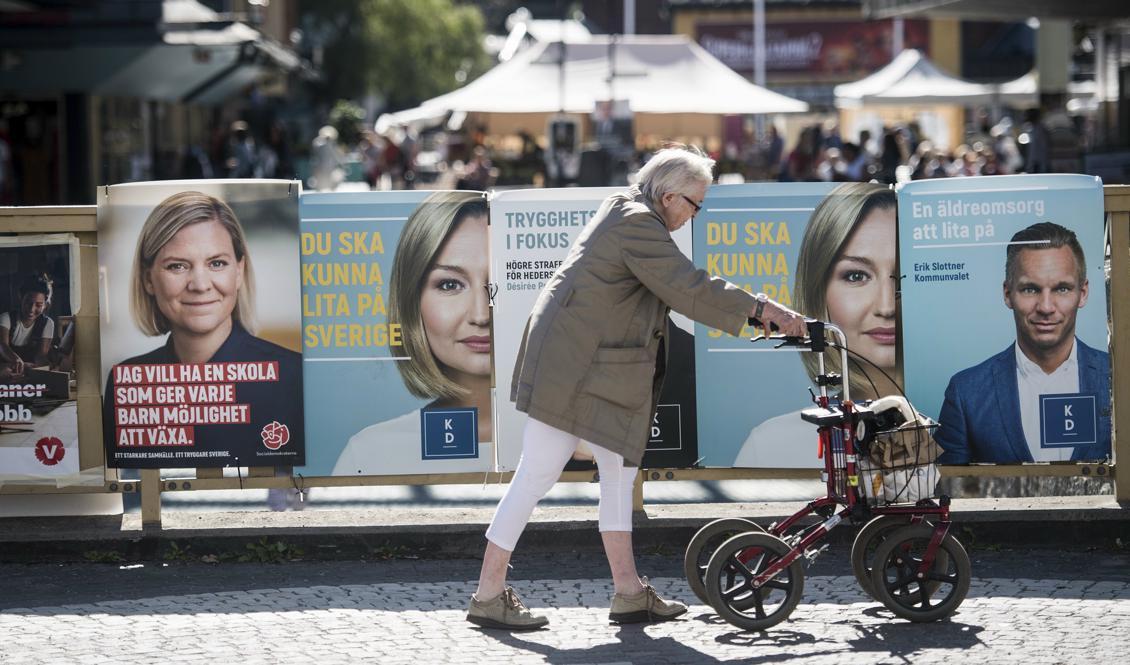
(829, 51)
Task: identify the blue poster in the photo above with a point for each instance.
(396, 333)
(750, 395)
(1003, 307)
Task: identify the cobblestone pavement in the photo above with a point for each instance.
(1030, 607)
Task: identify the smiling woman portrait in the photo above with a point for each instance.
(438, 295)
(192, 281)
(26, 331)
(847, 273)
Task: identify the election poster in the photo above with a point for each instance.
(825, 250)
(396, 333)
(531, 233)
(200, 324)
(39, 298)
(1004, 304)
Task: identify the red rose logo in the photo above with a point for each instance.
(275, 435)
(49, 450)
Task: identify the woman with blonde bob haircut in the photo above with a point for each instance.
(847, 273)
(192, 279)
(439, 300)
(166, 220)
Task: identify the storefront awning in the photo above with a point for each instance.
(190, 56)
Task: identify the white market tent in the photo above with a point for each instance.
(911, 87)
(911, 78)
(1025, 91)
(656, 74)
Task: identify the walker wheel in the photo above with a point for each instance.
(702, 547)
(730, 575)
(867, 541)
(914, 588)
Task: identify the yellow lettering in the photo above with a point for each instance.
(349, 335)
(370, 304)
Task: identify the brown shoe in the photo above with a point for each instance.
(504, 611)
(644, 606)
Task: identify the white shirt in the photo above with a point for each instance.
(20, 333)
(1033, 382)
(393, 447)
(782, 442)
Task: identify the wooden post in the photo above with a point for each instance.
(150, 498)
(1120, 338)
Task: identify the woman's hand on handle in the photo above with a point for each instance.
(787, 321)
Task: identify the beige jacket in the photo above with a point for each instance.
(588, 359)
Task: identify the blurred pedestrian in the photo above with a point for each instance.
(774, 151)
(478, 174)
(274, 155)
(370, 148)
(327, 161)
(1034, 138)
(802, 161)
(891, 157)
(409, 145)
(195, 163)
(242, 155)
(856, 163)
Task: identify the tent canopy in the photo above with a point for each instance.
(656, 74)
(911, 78)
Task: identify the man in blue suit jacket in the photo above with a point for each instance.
(1045, 286)
(980, 418)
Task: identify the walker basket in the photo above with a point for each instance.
(897, 466)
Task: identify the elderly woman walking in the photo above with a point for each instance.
(591, 365)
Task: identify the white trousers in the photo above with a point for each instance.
(545, 451)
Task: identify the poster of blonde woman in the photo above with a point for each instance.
(397, 332)
(829, 251)
(200, 322)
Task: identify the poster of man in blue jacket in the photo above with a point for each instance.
(1041, 398)
(1029, 381)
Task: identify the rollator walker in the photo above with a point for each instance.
(878, 468)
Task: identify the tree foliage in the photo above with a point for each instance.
(406, 51)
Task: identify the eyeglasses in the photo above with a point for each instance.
(694, 205)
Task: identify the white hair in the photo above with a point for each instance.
(673, 170)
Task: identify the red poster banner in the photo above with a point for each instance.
(825, 51)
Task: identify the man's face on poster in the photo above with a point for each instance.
(1045, 295)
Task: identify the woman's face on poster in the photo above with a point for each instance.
(454, 302)
(33, 305)
(861, 289)
(195, 278)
